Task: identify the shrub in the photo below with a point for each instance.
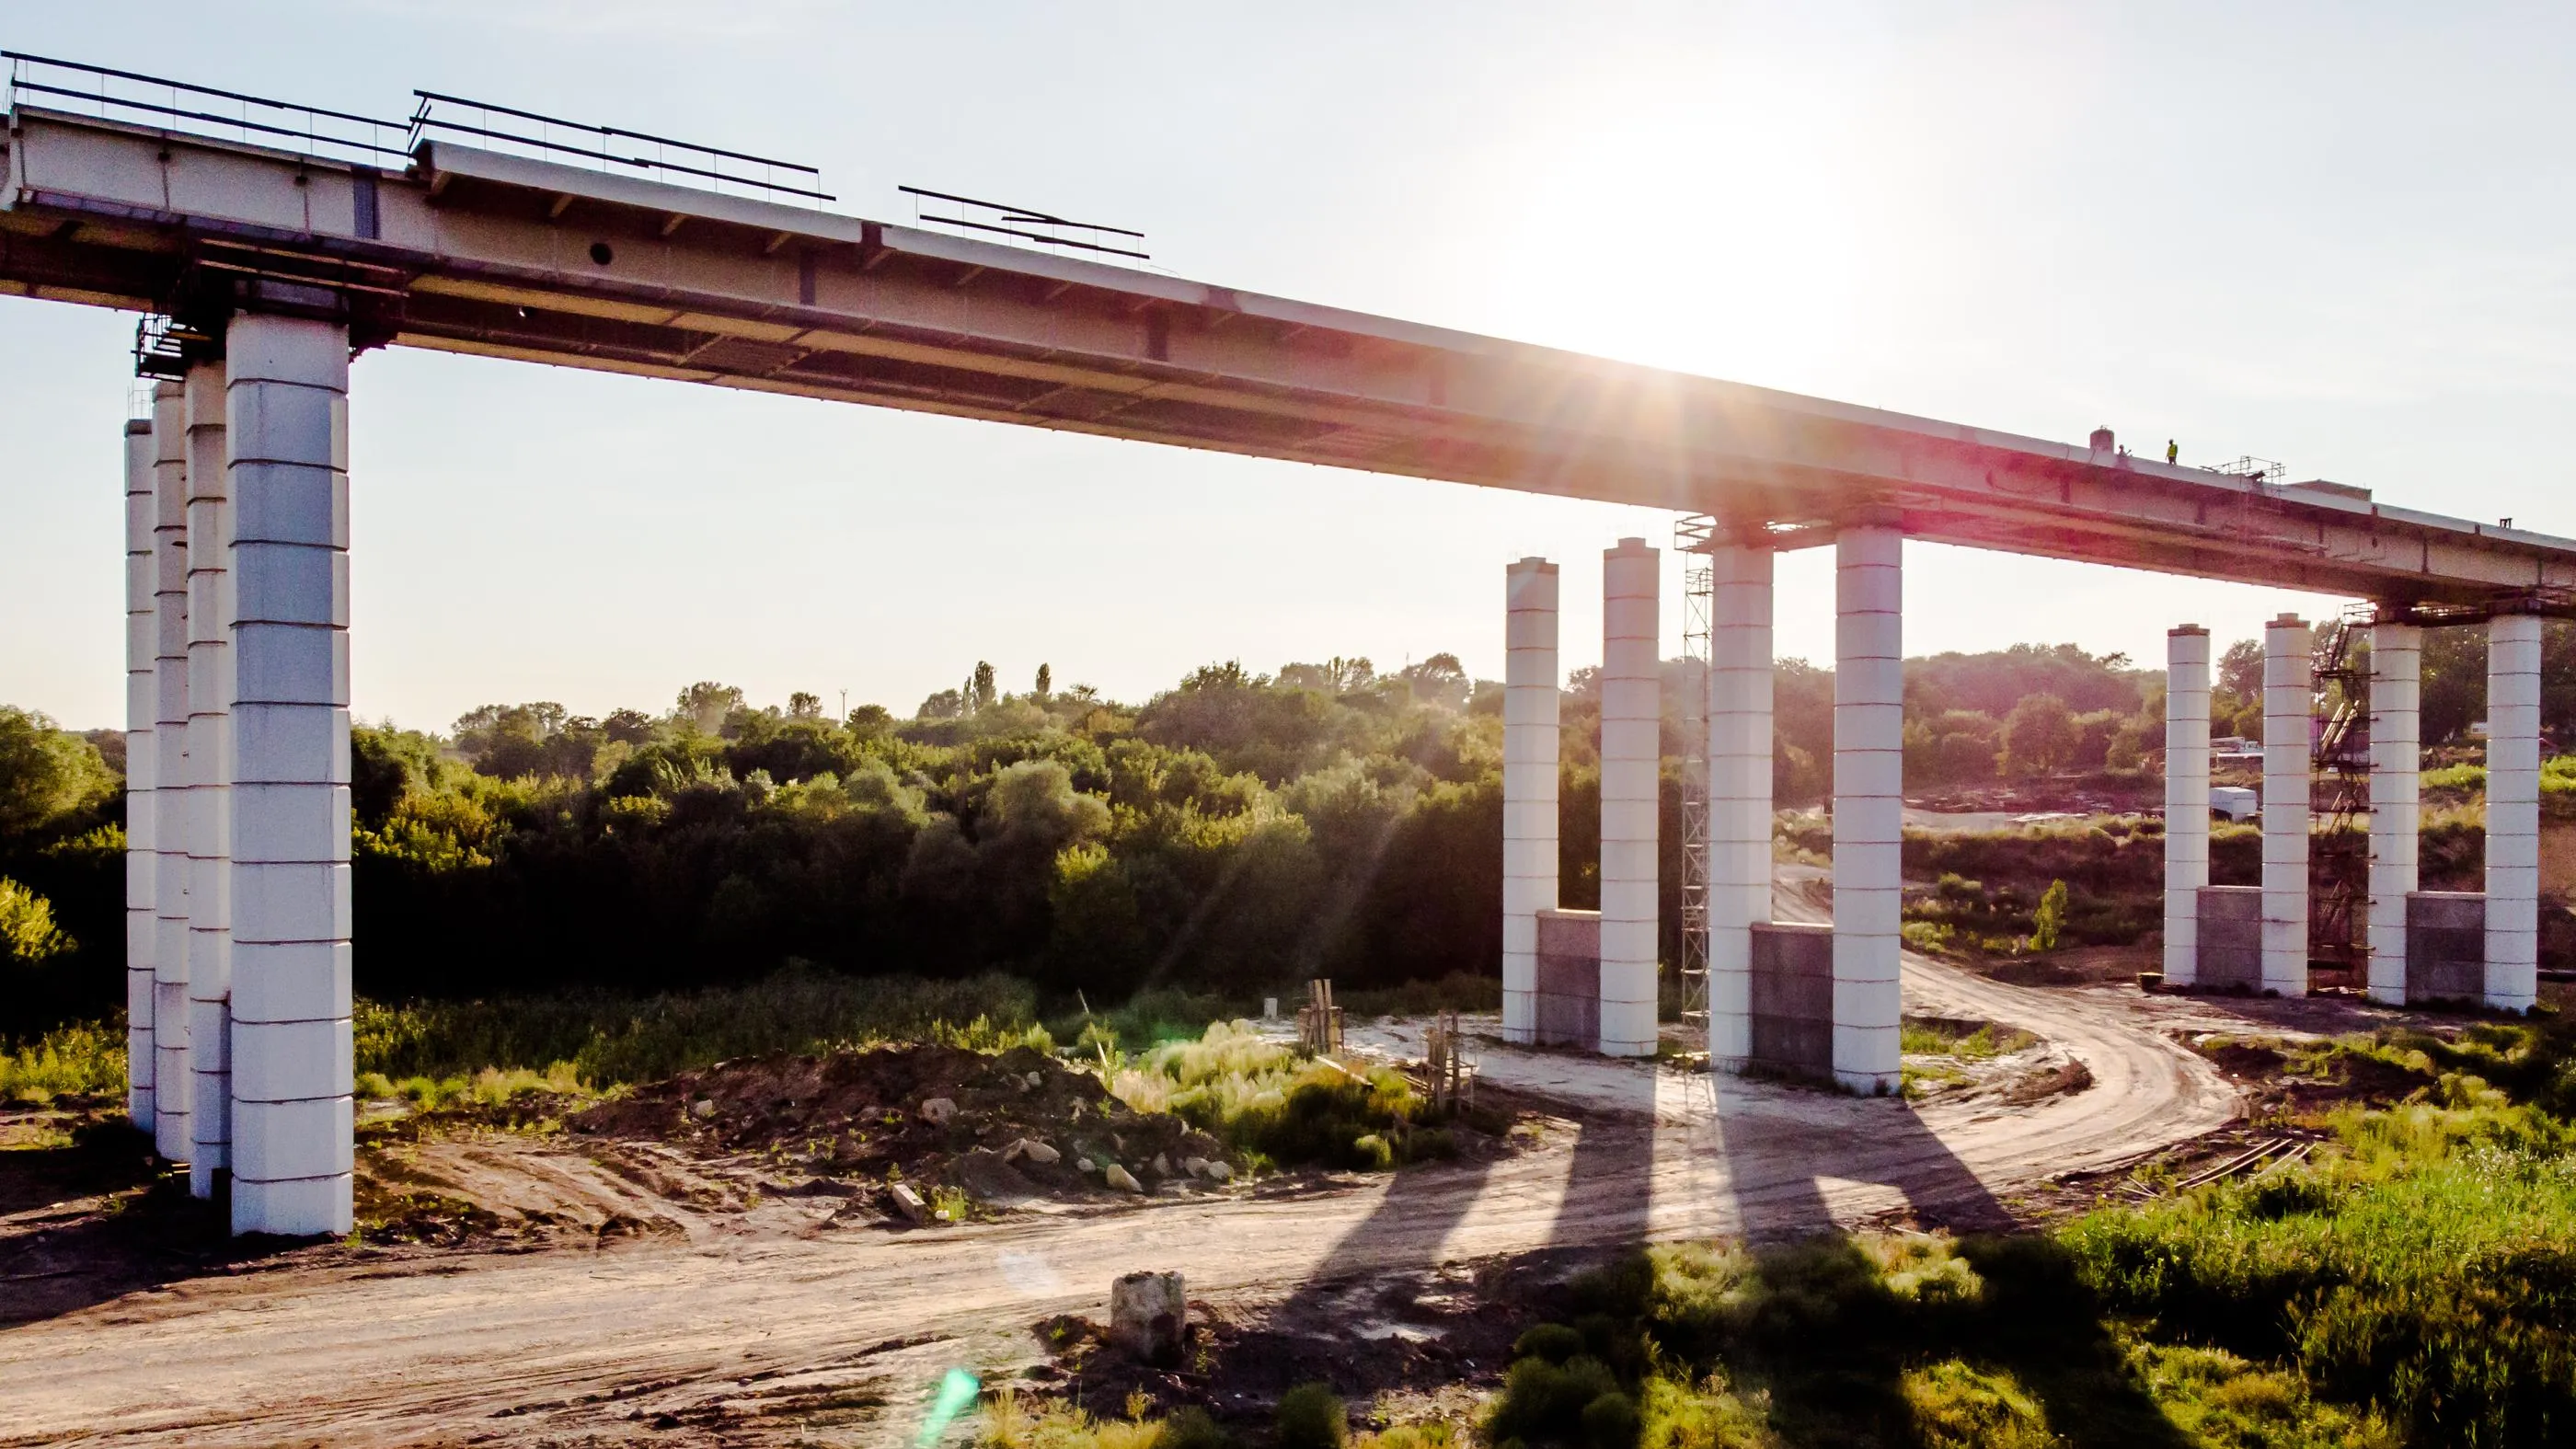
(1955, 1406)
(1311, 1416)
(1190, 1427)
(1611, 1422)
(1543, 1402)
(84, 1059)
(1554, 1342)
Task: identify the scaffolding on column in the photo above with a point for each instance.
(1694, 536)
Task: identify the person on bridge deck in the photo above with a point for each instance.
(2171, 451)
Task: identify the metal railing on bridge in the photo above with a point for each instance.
(162, 103)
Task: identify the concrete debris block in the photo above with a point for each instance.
(1149, 1316)
(1123, 1180)
(909, 1203)
(1162, 1165)
(1037, 1079)
(1038, 1152)
(937, 1111)
(1220, 1172)
(1195, 1166)
(703, 1108)
(1089, 1166)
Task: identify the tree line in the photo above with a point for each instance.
(1236, 831)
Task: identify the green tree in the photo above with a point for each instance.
(980, 692)
(705, 705)
(28, 935)
(627, 726)
(50, 778)
(2039, 736)
(2050, 918)
(1045, 682)
(804, 705)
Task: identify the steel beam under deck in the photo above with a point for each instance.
(481, 252)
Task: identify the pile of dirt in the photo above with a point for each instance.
(1012, 1130)
(1384, 1337)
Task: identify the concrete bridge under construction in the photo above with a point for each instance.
(269, 244)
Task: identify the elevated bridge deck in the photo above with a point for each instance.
(479, 251)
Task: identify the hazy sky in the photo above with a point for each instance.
(2332, 234)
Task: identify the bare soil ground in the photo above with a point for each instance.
(652, 1287)
(710, 1260)
(658, 1271)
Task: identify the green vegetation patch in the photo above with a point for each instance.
(85, 1059)
(1278, 1106)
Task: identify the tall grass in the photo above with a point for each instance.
(1267, 1100)
(82, 1059)
(2426, 1269)
(609, 1039)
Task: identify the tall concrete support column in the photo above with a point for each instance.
(2513, 811)
(288, 395)
(1631, 756)
(2186, 798)
(1529, 783)
(1739, 792)
(2287, 761)
(172, 1134)
(142, 719)
(2396, 798)
(1869, 804)
(210, 692)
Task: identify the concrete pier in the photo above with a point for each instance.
(142, 720)
(1869, 806)
(1530, 700)
(2513, 811)
(1631, 760)
(210, 691)
(2186, 798)
(2396, 799)
(2287, 763)
(172, 1134)
(1739, 792)
(291, 1154)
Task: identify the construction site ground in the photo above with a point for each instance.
(665, 1272)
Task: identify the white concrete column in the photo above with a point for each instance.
(2513, 811)
(1631, 759)
(2288, 704)
(142, 720)
(172, 1133)
(1529, 783)
(1739, 792)
(210, 691)
(1869, 804)
(2186, 798)
(288, 395)
(2396, 798)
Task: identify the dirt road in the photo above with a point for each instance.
(756, 1326)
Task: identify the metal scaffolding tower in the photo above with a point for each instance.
(1693, 537)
